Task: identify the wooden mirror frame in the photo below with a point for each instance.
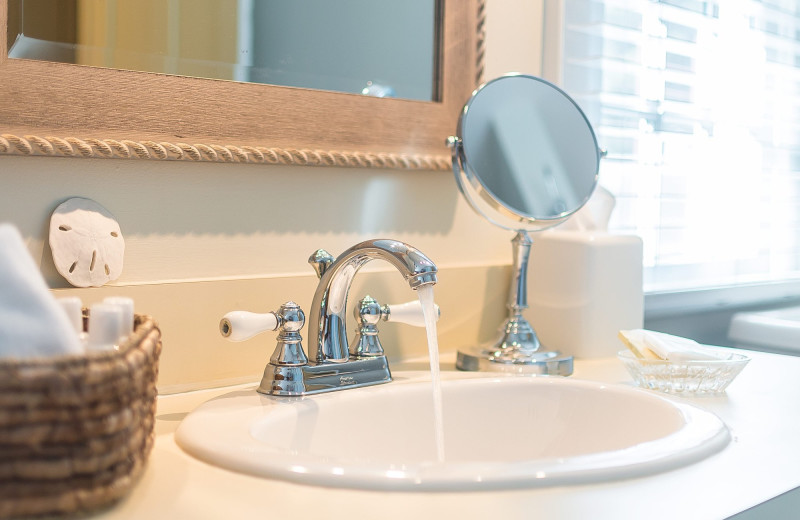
(57, 109)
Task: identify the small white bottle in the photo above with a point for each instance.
(126, 306)
(73, 307)
(105, 323)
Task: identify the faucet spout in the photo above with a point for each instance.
(326, 326)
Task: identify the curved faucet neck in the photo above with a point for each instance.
(326, 325)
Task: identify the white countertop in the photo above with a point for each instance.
(761, 408)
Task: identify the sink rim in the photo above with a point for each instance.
(206, 434)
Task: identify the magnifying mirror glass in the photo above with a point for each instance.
(526, 158)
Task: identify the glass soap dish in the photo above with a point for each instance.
(701, 377)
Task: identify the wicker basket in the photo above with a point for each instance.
(76, 431)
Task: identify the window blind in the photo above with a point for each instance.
(698, 106)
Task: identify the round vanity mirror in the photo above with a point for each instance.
(526, 158)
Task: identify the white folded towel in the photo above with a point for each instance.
(32, 323)
(649, 344)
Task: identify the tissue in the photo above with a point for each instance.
(32, 323)
(594, 215)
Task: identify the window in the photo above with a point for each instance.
(698, 106)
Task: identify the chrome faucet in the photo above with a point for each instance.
(326, 326)
(332, 366)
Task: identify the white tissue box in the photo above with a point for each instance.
(583, 288)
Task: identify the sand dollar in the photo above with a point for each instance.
(87, 243)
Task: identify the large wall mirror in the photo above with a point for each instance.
(373, 83)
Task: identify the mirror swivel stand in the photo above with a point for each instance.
(517, 349)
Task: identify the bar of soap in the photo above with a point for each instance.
(649, 344)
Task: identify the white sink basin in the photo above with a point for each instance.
(499, 433)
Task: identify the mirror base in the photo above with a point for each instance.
(516, 336)
(514, 360)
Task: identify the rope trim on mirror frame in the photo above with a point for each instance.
(480, 43)
(11, 144)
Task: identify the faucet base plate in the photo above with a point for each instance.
(315, 378)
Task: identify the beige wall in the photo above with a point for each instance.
(202, 239)
(514, 35)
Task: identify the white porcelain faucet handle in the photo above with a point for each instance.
(409, 313)
(242, 325)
